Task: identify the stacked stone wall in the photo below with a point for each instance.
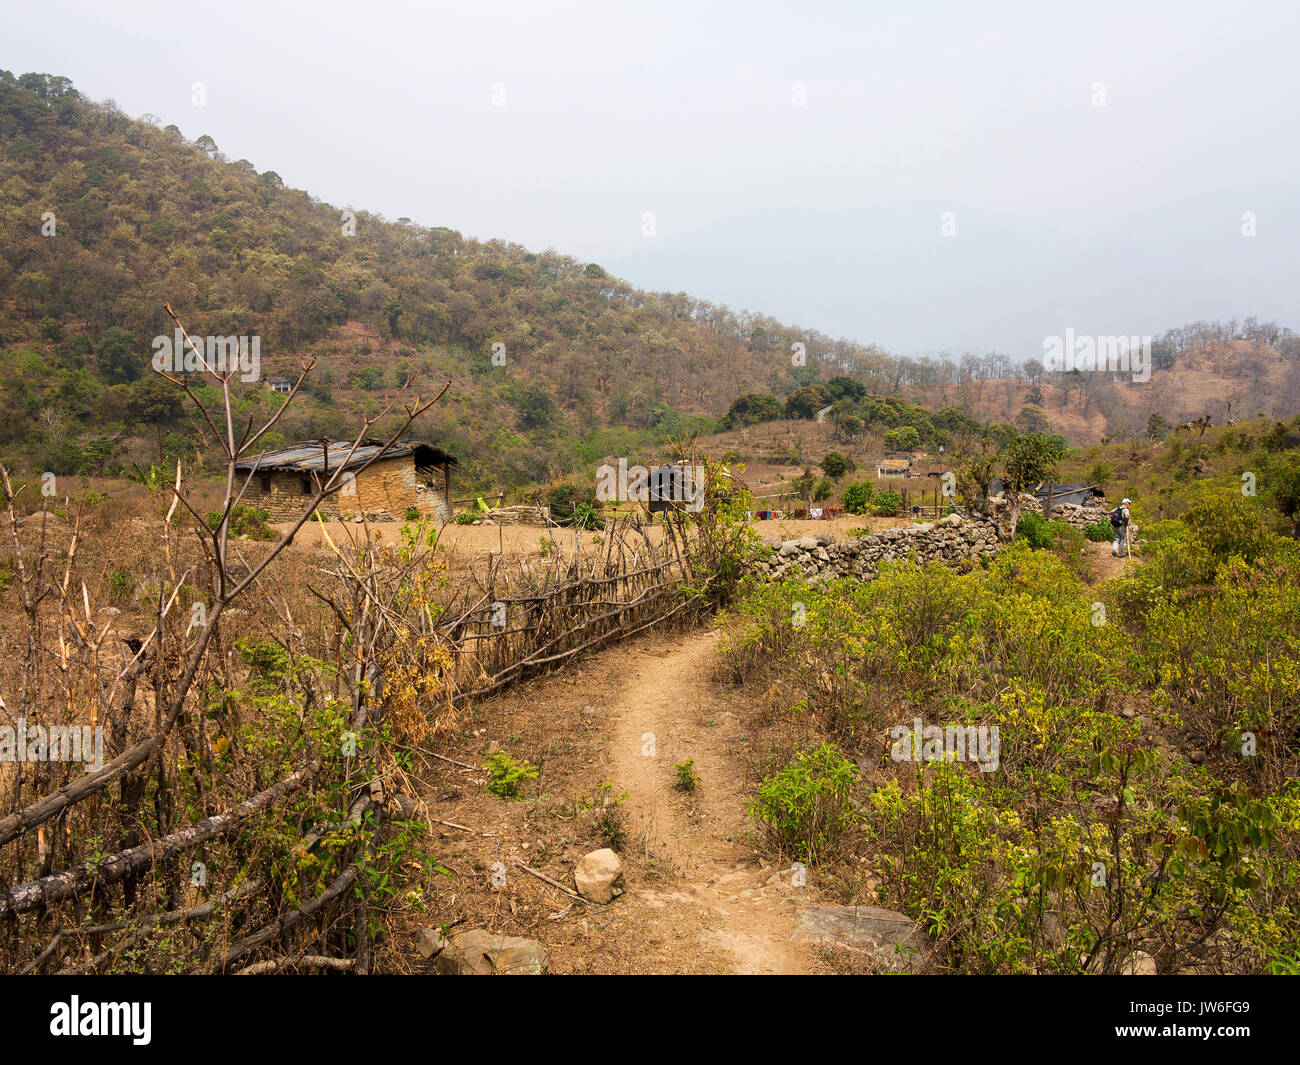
(953, 540)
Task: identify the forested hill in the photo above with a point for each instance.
(104, 218)
(142, 216)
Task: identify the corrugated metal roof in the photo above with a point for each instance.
(312, 456)
(1061, 493)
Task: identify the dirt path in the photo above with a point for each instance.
(665, 713)
(702, 895)
(1105, 565)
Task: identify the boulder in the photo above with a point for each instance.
(599, 876)
(891, 938)
(479, 952)
(1139, 963)
(430, 941)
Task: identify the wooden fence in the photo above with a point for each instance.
(502, 620)
(525, 618)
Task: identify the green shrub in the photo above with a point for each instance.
(508, 775)
(467, 518)
(887, 504)
(1100, 531)
(857, 498)
(1068, 544)
(267, 661)
(835, 465)
(1024, 868)
(1228, 524)
(245, 521)
(1162, 530)
(412, 514)
(574, 507)
(686, 777)
(808, 805)
(121, 585)
(1033, 529)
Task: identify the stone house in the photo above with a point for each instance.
(380, 482)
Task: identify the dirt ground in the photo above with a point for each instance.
(476, 541)
(467, 540)
(701, 897)
(1105, 565)
(844, 527)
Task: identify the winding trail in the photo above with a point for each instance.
(665, 712)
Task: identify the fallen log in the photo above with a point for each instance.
(145, 925)
(75, 881)
(311, 961)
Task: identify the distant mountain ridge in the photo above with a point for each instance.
(930, 276)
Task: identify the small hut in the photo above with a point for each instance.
(893, 467)
(381, 482)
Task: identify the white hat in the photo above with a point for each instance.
(1124, 501)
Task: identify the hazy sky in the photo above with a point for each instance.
(690, 110)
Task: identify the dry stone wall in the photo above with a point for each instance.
(953, 540)
(1080, 517)
(524, 514)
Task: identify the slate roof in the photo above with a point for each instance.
(312, 457)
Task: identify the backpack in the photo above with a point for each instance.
(1117, 517)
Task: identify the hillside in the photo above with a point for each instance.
(138, 216)
(104, 218)
(1225, 370)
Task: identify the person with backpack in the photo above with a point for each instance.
(1119, 522)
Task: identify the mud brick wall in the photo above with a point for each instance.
(385, 488)
(286, 499)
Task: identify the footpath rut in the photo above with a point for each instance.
(666, 712)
